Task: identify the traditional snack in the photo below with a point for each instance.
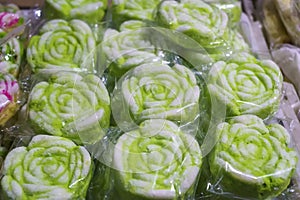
(10, 18)
(246, 85)
(124, 10)
(287, 56)
(50, 167)
(157, 91)
(273, 26)
(289, 13)
(207, 23)
(63, 45)
(252, 160)
(126, 49)
(233, 9)
(204, 23)
(70, 105)
(156, 161)
(9, 97)
(131, 25)
(11, 54)
(91, 11)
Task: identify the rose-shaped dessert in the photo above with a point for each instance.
(156, 91)
(156, 161)
(62, 45)
(50, 167)
(9, 94)
(126, 49)
(71, 105)
(246, 85)
(131, 25)
(11, 54)
(124, 10)
(252, 160)
(91, 11)
(233, 9)
(204, 23)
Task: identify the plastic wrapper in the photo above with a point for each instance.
(289, 12)
(12, 24)
(168, 169)
(246, 85)
(14, 31)
(148, 124)
(205, 23)
(10, 18)
(233, 9)
(274, 28)
(90, 11)
(10, 94)
(71, 105)
(133, 10)
(76, 43)
(288, 58)
(252, 160)
(50, 167)
(127, 49)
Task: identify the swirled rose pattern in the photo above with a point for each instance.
(202, 22)
(246, 85)
(91, 11)
(157, 160)
(157, 91)
(252, 159)
(126, 49)
(50, 167)
(63, 45)
(71, 105)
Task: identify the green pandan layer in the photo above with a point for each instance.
(132, 25)
(127, 49)
(71, 106)
(204, 23)
(63, 45)
(50, 167)
(11, 54)
(246, 85)
(156, 161)
(157, 91)
(252, 160)
(233, 9)
(124, 10)
(91, 11)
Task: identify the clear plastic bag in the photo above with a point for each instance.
(160, 139)
(289, 12)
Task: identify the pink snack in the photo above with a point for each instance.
(9, 89)
(8, 20)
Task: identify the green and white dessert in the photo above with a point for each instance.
(233, 9)
(11, 54)
(63, 45)
(206, 24)
(246, 85)
(91, 11)
(132, 25)
(124, 10)
(251, 159)
(127, 49)
(70, 105)
(156, 161)
(157, 91)
(50, 167)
